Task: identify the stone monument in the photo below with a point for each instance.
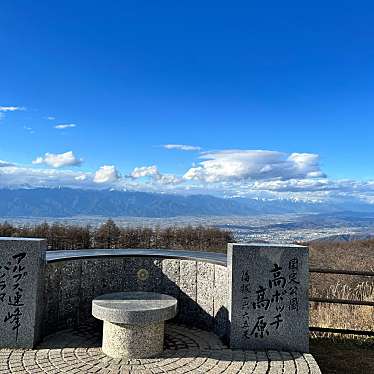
(21, 291)
(268, 297)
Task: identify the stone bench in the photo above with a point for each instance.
(133, 322)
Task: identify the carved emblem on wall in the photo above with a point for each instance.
(143, 274)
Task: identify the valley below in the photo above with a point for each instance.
(280, 228)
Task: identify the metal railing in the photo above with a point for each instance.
(341, 301)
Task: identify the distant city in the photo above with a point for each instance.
(281, 228)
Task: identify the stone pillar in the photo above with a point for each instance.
(22, 264)
(133, 341)
(268, 297)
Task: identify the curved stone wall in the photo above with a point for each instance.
(198, 282)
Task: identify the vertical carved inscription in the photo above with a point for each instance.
(21, 291)
(11, 294)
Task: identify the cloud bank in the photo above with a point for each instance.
(58, 160)
(236, 165)
(231, 173)
(4, 164)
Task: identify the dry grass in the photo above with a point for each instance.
(338, 353)
(343, 355)
(345, 316)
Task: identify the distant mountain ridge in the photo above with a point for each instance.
(345, 237)
(67, 202)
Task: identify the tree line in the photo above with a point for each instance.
(109, 235)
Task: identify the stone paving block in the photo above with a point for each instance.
(288, 363)
(302, 366)
(82, 355)
(276, 362)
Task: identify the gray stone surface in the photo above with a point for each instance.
(71, 285)
(91, 286)
(133, 341)
(220, 294)
(187, 350)
(22, 264)
(268, 297)
(53, 284)
(171, 277)
(134, 307)
(188, 287)
(68, 296)
(205, 293)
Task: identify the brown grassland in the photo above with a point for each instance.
(337, 353)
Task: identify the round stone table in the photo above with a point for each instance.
(133, 322)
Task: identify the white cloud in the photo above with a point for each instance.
(4, 109)
(4, 164)
(155, 175)
(81, 177)
(51, 118)
(241, 165)
(57, 160)
(15, 176)
(63, 126)
(106, 174)
(11, 108)
(182, 147)
(169, 179)
(144, 171)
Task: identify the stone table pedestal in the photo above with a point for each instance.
(133, 322)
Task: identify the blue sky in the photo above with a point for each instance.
(247, 84)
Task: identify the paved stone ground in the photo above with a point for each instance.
(187, 350)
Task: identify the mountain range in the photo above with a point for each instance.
(67, 202)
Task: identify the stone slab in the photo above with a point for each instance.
(268, 297)
(22, 264)
(135, 308)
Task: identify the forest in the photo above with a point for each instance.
(109, 235)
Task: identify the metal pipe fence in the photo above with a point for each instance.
(342, 301)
